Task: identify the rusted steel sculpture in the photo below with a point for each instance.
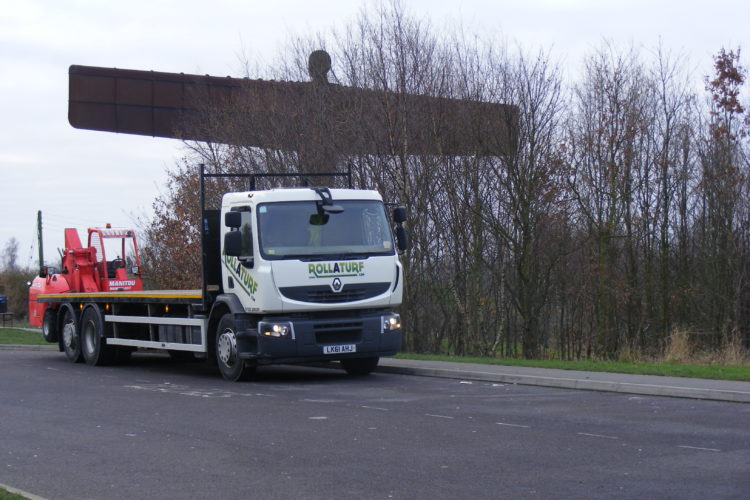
(291, 116)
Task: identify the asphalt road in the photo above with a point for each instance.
(160, 429)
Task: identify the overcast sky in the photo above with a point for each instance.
(81, 178)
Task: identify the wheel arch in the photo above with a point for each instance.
(225, 303)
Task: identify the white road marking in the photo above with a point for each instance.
(375, 408)
(698, 448)
(185, 390)
(513, 425)
(317, 418)
(597, 435)
(438, 416)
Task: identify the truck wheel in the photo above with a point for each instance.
(93, 346)
(70, 339)
(359, 366)
(49, 325)
(230, 365)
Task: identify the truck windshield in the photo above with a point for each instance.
(297, 230)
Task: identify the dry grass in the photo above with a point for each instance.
(732, 352)
(678, 348)
(629, 354)
(681, 348)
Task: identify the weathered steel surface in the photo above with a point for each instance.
(285, 115)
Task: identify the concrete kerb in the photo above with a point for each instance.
(16, 347)
(24, 494)
(573, 383)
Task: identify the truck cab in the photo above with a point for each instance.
(310, 274)
(116, 258)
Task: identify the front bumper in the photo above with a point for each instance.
(312, 332)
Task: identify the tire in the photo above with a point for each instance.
(71, 340)
(359, 366)
(93, 344)
(231, 367)
(49, 325)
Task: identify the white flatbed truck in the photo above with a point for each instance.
(289, 276)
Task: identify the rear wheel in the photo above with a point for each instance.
(227, 357)
(71, 340)
(93, 344)
(359, 366)
(49, 325)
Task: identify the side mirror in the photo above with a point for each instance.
(402, 239)
(233, 243)
(233, 219)
(399, 215)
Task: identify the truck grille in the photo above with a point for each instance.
(338, 333)
(323, 294)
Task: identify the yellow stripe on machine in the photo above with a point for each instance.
(145, 294)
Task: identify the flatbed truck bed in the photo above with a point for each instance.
(155, 319)
(155, 296)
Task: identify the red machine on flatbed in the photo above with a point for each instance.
(110, 263)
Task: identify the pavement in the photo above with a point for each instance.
(650, 385)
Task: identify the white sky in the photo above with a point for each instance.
(81, 178)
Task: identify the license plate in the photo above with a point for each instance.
(339, 349)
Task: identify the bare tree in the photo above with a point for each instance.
(10, 255)
(621, 213)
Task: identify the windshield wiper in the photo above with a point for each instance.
(301, 256)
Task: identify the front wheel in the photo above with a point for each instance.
(227, 356)
(359, 366)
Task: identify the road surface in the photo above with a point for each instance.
(156, 428)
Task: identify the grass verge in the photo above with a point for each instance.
(710, 371)
(7, 495)
(720, 372)
(21, 337)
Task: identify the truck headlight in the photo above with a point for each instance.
(390, 322)
(281, 329)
